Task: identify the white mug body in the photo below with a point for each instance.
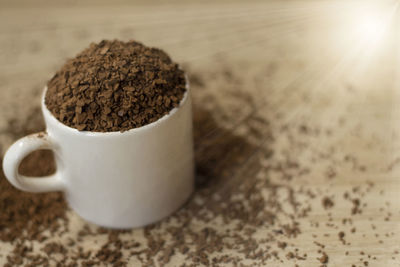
(115, 179)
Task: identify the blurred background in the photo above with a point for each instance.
(309, 49)
(316, 83)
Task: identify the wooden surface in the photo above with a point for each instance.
(289, 105)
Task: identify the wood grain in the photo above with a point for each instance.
(280, 76)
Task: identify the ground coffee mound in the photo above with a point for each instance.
(115, 86)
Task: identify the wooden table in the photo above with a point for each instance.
(293, 105)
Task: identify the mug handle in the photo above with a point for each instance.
(17, 152)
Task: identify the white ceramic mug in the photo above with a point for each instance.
(115, 179)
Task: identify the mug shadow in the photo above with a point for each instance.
(218, 151)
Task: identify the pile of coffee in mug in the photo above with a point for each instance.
(115, 86)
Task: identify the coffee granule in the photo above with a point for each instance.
(115, 86)
(324, 258)
(341, 235)
(327, 203)
(356, 206)
(282, 245)
(54, 248)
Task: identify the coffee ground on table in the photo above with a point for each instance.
(115, 86)
(35, 225)
(25, 216)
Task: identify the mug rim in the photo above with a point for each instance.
(47, 113)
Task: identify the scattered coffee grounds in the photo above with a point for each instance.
(327, 203)
(247, 207)
(324, 258)
(115, 86)
(26, 215)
